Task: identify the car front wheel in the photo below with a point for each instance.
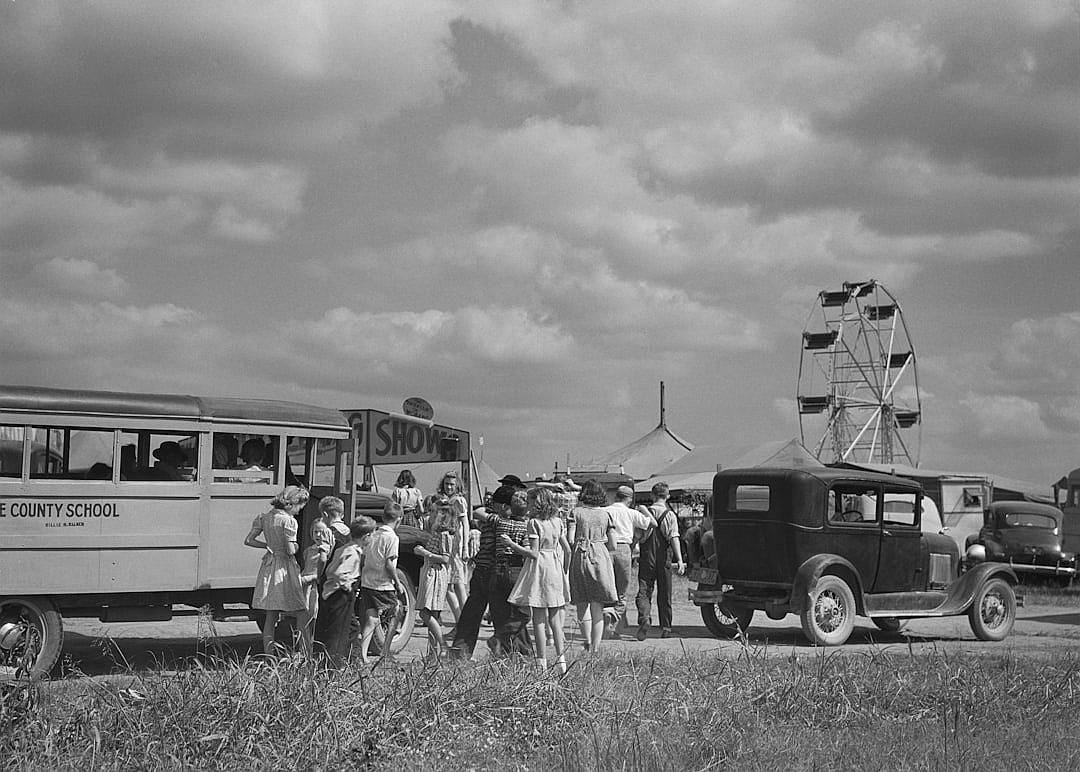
(725, 621)
(993, 612)
(829, 616)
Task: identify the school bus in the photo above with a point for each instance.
(120, 505)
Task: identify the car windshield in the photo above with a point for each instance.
(1029, 520)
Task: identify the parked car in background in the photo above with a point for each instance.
(1027, 536)
(830, 544)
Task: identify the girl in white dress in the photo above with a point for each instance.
(542, 585)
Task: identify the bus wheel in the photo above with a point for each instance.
(398, 627)
(31, 638)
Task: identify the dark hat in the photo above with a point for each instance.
(503, 494)
(512, 479)
(170, 450)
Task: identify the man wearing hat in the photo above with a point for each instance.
(170, 457)
(513, 481)
(627, 521)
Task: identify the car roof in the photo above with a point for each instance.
(1024, 507)
(826, 475)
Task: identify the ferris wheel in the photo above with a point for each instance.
(858, 391)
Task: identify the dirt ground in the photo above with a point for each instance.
(97, 648)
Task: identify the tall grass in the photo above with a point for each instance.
(834, 710)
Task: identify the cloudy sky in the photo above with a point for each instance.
(530, 213)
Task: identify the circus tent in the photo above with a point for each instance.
(695, 470)
(646, 455)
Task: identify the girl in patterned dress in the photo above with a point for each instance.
(435, 574)
(277, 586)
(592, 571)
(542, 585)
(459, 553)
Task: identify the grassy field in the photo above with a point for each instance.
(832, 711)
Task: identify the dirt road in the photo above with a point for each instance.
(96, 648)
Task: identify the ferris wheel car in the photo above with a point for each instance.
(788, 541)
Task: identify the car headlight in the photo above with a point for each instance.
(976, 553)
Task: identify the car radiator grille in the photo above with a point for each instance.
(941, 571)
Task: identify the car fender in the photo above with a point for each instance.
(816, 567)
(962, 591)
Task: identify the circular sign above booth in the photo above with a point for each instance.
(418, 407)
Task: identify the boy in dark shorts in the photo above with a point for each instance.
(378, 578)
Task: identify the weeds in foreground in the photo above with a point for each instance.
(757, 711)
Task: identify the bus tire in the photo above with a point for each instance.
(31, 637)
(400, 625)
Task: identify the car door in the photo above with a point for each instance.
(900, 562)
(852, 516)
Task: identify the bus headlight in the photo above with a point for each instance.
(976, 553)
(10, 635)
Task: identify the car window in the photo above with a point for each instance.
(1029, 520)
(852, 503)
(899, 509)
(748, 498)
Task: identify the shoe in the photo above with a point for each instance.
(643, 631)
(667, 633)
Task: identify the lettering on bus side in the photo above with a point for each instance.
(52, 510)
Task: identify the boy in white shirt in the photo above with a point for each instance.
(378, 579)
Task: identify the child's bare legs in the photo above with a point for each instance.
(269, 631)
(596, 627)
(555, 624)
(459, 593)
(454, 604)
(436, 642)
(539, 626)
(371, 619)
(584, 624)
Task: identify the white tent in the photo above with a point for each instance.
(695, 471)
(646, 455)
(484, 479)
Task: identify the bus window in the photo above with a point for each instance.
(254, 462)
(71, 454)
(325, 462)
(147, 456)
(296, 461)
(11, 451)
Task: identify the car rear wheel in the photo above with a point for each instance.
(993, 612)
(726, 621)
(31, 638)
(829, 617)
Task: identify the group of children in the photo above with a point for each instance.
(341, 561)
(531, 563)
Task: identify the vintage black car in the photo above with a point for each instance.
(822, 544)
(1025, 535)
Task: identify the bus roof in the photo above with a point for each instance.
(33, 399)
